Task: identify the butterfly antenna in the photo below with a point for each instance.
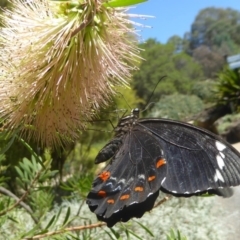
(125, 100)
(149, 99)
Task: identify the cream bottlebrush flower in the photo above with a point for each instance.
(60, 61)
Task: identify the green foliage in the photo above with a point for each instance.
(227, 121)
(78, 184)
(204, 90)
(210, 61)
(216, 28)
(228, 88)
(175, 236)
(3, 169)
(177, 106)
(33, 178)
(181, 71)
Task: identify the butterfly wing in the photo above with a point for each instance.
(129, 185)
(161, 154)
(197, 160)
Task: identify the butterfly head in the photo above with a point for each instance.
(135, 112)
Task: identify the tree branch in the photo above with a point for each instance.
(21, 203)
(23, 196)
(79, 228)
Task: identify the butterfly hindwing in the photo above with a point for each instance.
(134, 175)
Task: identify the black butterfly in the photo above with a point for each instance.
(149, 155)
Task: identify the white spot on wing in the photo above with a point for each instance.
(220, 146)
(218, 176)
(141, 176)
(150, 194)
(220, 161)
(113, 178)
(122, 181)
(163, 181)
(130, 179)
(222, 155)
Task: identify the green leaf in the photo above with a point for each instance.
(169, 238)
(38, 158)
(173, 236)
(19, 171)
(50, 222)
(26, 166)
(145, 228)
(59, 213)
(31, 232)
(123, 3)
(8, 145)
(67, 216)
(12, 219)
(135, 235)
(179, 234)
(110, 236)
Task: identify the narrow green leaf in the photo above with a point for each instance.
(123, 3)
(19, 172)
(179, 235)
(8, 145)
(67, 216)
(126, 231)
(172, 234)
(50, 222)
(146, 229)
(27, 166)
(35, 163)
(12, 219)
(31, 232)
(135, 235)
(58, 214)
(38, 158)
(115, 233)
(110, 236)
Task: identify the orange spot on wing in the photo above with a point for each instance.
(104, 176)
(110, 201)
(160, 162)
(102, 194)
(151, 178)
(138, 189)
(125, 197)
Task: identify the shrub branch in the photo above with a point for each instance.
(21, 203)
(70, 229)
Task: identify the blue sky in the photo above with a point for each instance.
(174, 17)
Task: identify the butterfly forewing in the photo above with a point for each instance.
(149, 155)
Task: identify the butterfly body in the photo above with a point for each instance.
(152, 155)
